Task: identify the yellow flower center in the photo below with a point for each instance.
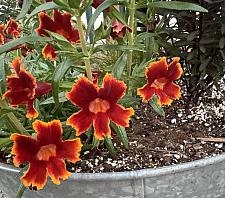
(46, 152)
(159, 83)
(99, 105)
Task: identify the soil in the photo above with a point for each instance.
(155, 141)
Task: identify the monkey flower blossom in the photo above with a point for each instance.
(118, 29)
(45, 153)
(12, 28)
(22, 88)
(98, 106)
(60, 24)
(160, 77)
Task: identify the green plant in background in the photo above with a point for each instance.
(8, 9)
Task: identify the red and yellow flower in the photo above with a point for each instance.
(118, 29)
(60, 24)
(12, 28)
(98, 106)
(48, 52)
(22, 88)
(45, 153)
(160, 77)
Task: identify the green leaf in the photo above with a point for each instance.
(4, 141)
(121, 132)
(62, 98)
(25, 8)
(20, 191)
(13, 124)
(43, 7)
(120, 47)
(26, 39)
(95, 143)
(103, 6)
(119, 66)
(58, 74)
(174, 5)
(110, 147)
(116, 14)
(158, 109)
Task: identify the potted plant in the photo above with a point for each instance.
(65, 100)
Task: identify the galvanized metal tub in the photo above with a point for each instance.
(199, 179)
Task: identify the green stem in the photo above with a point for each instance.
(84, 48)
(131, 37)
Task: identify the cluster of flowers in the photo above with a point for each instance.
(98, 106)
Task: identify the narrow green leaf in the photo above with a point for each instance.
(43, 7)
(121, 47)
(116, 14)
(4, 141)
(25, 8)
(95, 142)
(103, 6)
(121, 132)
(26, 39)
(158, 109)
(110, 147)
(58, 74)
(14, 125)
(20, 191)
(62, 98)
(119, 66)
(174, 5)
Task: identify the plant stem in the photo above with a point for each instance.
(84, 48)
(130, 38)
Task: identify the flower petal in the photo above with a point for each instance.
(80, 121)
(42, 88)
(163, 98)
(174, 70)
(48, 52)
(112, 89)
(66, 29)
(70, 150)
(57, 170)
(120, 115)
(31, 111)
(146, 92)
(13, 28)
(60, 24)
(172, 90)
(157, 69)
(46, 23)
(36, 175)
(82, 93)
(101, 126)
(16, 64)
(2, 39)
(24, 148)
(48, 132)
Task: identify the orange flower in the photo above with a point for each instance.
(13, 28)
(60, 24)
(118, 29)
(45, 153)
(160, 78)
(2, 35)
(49, 52)
(98, 106)
(23, 88)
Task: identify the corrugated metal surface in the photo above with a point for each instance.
(200, 179)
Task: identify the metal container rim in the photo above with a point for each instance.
(138, 174)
